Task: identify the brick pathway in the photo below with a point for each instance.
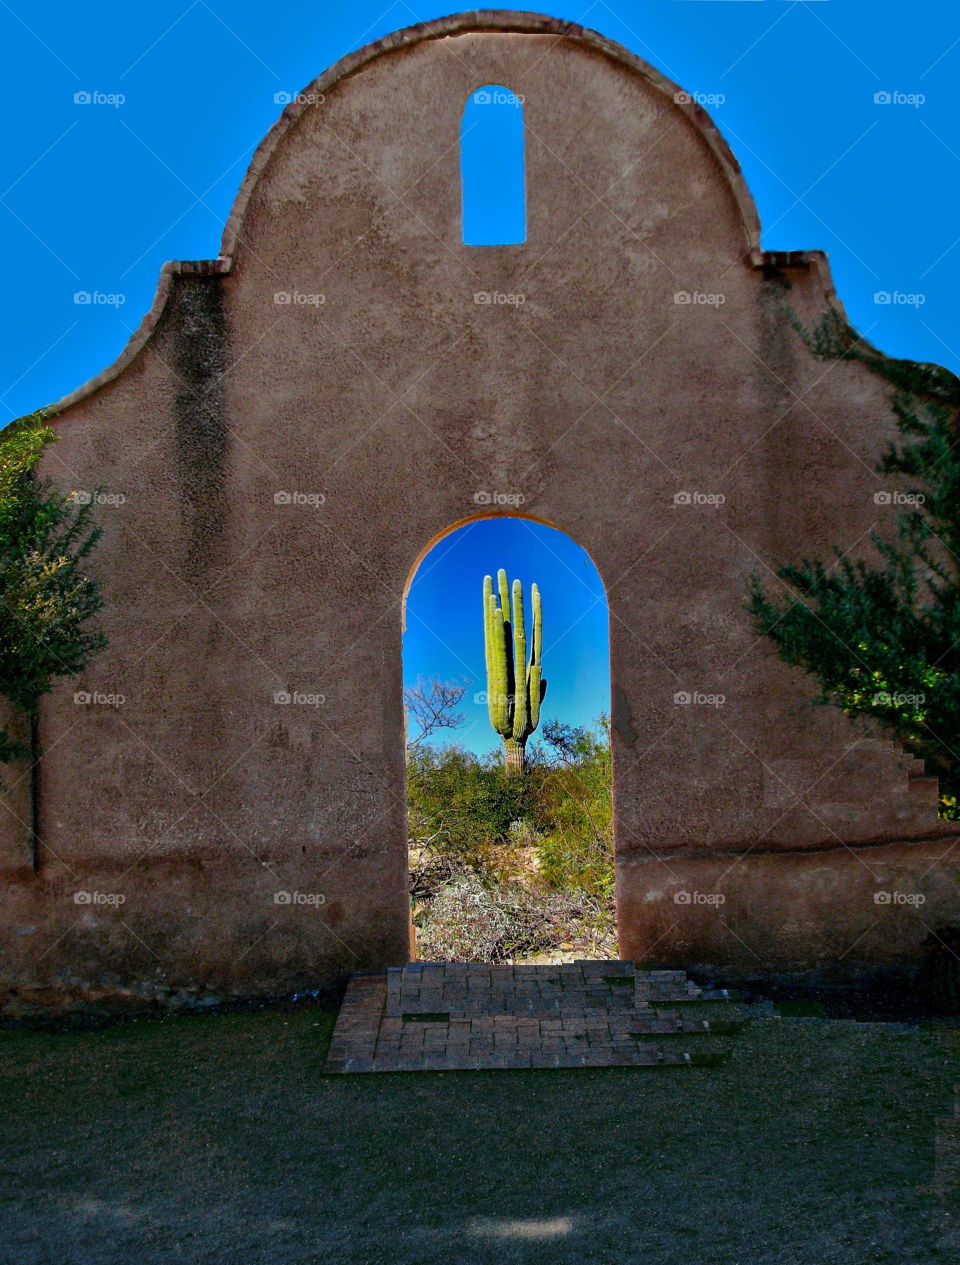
(453, 1016)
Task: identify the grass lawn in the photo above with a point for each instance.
(216, 1138)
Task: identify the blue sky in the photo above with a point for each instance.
(841, 113)
(492, 169)
(444, 619)
(96, 196)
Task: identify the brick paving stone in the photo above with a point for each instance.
(514, 1016)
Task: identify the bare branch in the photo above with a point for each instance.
(431, 705)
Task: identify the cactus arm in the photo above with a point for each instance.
(505, 614)
(534, 696)
(498, 703)
(535, 688)
(521, 713)
(534, 672)
(488, 638)
(504, 589)
(536, 651)
(507, 638)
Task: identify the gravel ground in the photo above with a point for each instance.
(210, 1138)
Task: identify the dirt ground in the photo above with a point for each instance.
(209, 1138)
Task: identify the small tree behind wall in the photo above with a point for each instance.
(46, 597)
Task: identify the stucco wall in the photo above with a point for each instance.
(387, 402)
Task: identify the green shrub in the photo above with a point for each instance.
(462, 804)
(574, 812)
(504, 866)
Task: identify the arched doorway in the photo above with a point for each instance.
(509, 861)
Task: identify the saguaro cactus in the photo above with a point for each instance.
(515, 687)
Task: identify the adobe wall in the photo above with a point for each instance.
(388, 404)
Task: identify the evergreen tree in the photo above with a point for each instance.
(884, 640)
(46, 597)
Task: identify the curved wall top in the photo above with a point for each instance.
(477, 21)
(503, 22)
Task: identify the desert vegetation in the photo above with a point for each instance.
(505, 867)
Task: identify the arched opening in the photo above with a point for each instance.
(492, 168)
(511, 859)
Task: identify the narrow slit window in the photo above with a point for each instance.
(491, 168)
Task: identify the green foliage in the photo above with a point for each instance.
(574, 811)
(535, 853)
(883, 640)
(515, 687)
(464, 803)
(45, 596)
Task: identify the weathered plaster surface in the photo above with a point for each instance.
(391, 400)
